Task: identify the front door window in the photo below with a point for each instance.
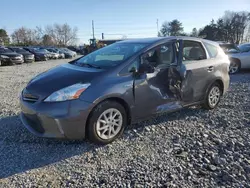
(160, 57)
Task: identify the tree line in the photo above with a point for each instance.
(233, 27)
(50, 35)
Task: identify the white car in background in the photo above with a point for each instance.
(239, 56)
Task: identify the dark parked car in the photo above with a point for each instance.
(98, 95)
(28, 57)
(9, 57)
(39, 55)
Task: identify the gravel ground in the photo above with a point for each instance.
(189, 148)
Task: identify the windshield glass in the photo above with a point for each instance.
(5, 50)
(111, 55)
(65, 49)
(41, 50)
(51, 50)
(19, 50)
(244, 47)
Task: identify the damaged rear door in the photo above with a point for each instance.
(157, 87)
(198, 71)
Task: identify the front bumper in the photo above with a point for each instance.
(41, 58)
(29, 60)
(12, 61)
(56, 120)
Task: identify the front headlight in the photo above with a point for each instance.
(68, 93)
(4, 57)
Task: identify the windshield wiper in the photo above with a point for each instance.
(89, 65)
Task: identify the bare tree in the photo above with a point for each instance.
(24, 36)
(48, 40)
(19, 36)
(247, 33)
(63, 35)
(57, 34)
(235, 24)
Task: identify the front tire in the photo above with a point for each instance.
(106, 123)
(234, 67)
(213, 97)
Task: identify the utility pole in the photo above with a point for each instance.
(157, 24)
(93, 29)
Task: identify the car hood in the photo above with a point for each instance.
(60, 77)
(11, 54)
(25, 53)
(39, 53)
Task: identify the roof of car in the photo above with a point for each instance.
(146, 40)
(158, 39)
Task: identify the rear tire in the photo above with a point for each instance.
(213, 97)
(106, 122)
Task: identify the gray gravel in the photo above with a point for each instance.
(189, 148)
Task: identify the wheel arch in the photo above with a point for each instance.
(116, 99)
(235, 59)
(218, 81)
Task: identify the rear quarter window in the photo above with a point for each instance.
(212, 49)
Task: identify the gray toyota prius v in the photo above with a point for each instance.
(98, 95)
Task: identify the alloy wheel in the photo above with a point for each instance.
(234, 67)
(214, 96)
(109, 124)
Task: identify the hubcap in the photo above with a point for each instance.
(109, 123)
(233, 67)
(214, 96)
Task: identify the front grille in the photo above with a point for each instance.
(29, 97)
(34, 122)
(29, 57)
(16, 58)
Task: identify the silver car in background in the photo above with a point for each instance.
(239, 58)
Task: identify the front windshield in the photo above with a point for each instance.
(51, 50)
(65, 50)
(111, 55)
(244, 47)
(19, 50)
(42, 50)
(5, 50)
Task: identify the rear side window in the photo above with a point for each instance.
(212, 49)
(193, 51)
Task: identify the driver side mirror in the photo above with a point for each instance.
(201, 57)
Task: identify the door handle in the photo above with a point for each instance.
(210, 69)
